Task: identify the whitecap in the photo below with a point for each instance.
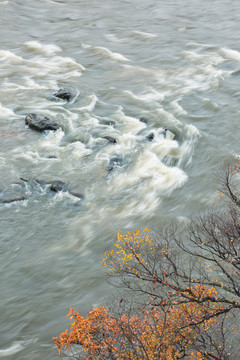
(231, 54)
(178, 108)
(131, 124)
(85, 46)
(77, 150)
(191, 131)
(167, 115)
(90, 106)
(52, 139)
(43, 49)
(113, 38)
(28, 83)
(112, 55)
(10, 57)
(56, 65)
(145, 35)
(149, 95)
(6, 113)
(209, 58)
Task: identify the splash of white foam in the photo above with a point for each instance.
(209, 58)
(153, 173)
(6, 113)
(231, 54)
(112, 55)
(168, 116)
(50, 49)
(144, 34)
(90, 106)
(56, 65)
(149, 95)
(113, 38)
(10, 57)
(131, 124)
(178, 108)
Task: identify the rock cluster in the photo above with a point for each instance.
(42, 123)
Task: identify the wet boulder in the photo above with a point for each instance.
(150, 137)
(57, 186)
(40, 122)
(63, 94)
(170, 134)
(110, 139)
(115, 161)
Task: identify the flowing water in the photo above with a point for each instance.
(135, 68)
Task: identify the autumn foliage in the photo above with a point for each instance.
(182, 293)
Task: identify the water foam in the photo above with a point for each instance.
(109, 54)
(6, 113)
(12, 350)
(92, 101)
(43, 49)
(42, 71)
(145, 35)
(9, 57)
(149, 95)
(231, 54)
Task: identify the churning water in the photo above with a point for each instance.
(135, 68)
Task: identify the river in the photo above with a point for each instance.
(135, 68)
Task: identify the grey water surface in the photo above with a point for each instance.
(134, 68)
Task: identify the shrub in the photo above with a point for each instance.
(182, 294)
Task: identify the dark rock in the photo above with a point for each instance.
(78, 195)
(57, 186)
(144, 120)
(24, 179)
(110, 139)
(52, 157)
(114, 161)
(150, 137)
(40, 123)
(19, 198)
(63, 94)
(108, 122)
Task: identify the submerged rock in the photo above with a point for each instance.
(108, 122)
(63, 94)
(110, 139)
(19, 198)
(144, 120)
(57, 186)
(40, 123)
(78, 195)
(115, 161)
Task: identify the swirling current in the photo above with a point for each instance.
(154, 110)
